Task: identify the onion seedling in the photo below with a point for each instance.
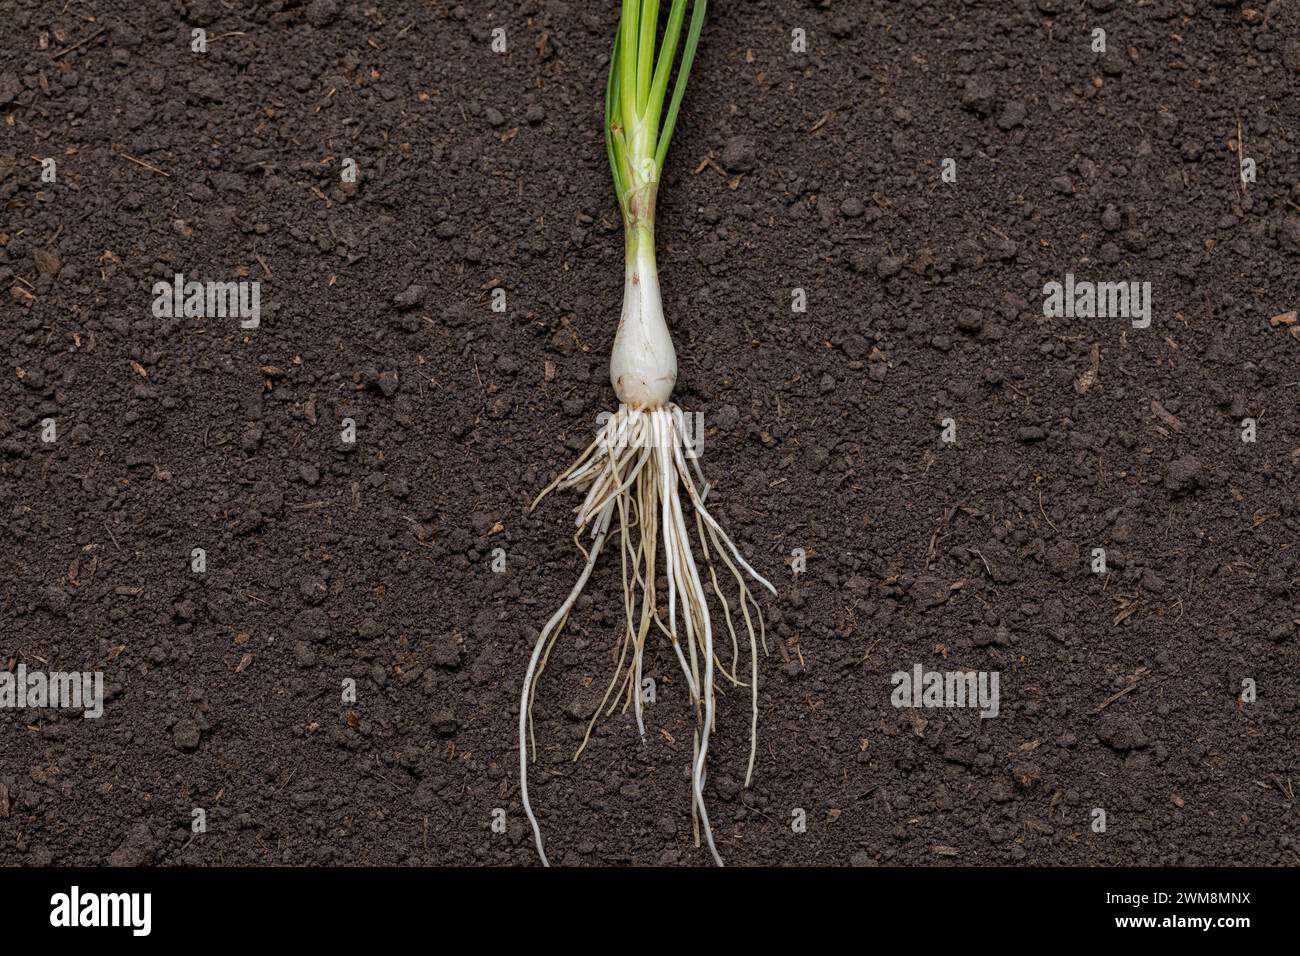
(636, 473)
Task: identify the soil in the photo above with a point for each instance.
(372, 562)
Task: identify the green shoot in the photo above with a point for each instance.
(635, 139)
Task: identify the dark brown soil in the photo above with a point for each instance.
(372, 562)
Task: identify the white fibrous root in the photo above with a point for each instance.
(635, 475)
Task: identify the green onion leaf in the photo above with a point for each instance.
(683, 74)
